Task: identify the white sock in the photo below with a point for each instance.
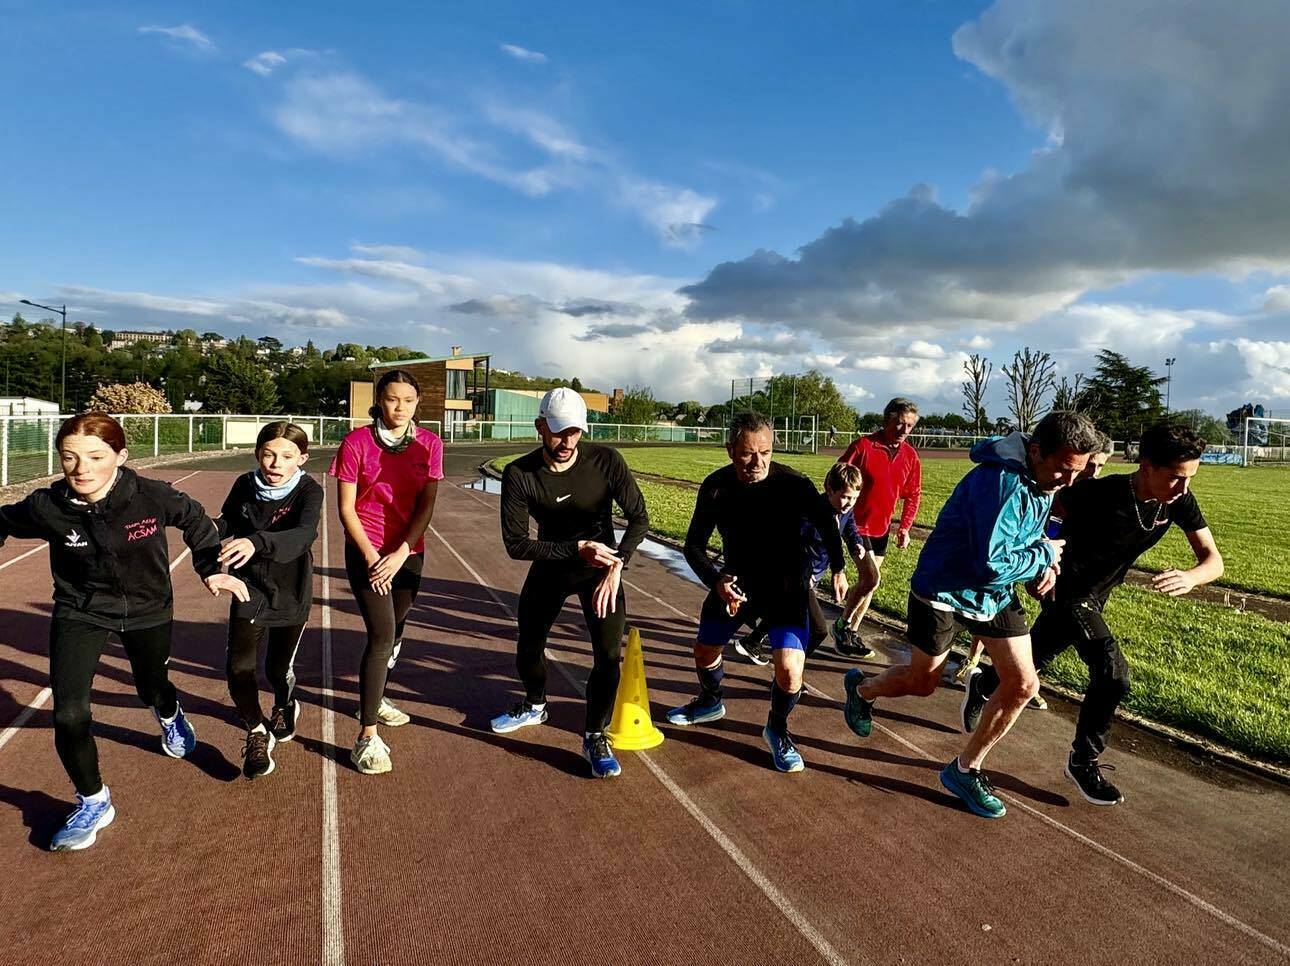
(259, 729)
(98, 797)
(538, 707)
(962, 770)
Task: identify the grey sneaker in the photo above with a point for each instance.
(387, 714)
(371, 756)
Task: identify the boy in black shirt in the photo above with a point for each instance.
(1108, 523)
(570, 489)
(759, 508)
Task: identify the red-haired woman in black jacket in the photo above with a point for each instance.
(106, 529)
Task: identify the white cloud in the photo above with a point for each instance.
(184, 33)
(978, 342)
(922, 349)
(677, 215)
(1143, 104)
(522, 53)
(1267, 366)
(398, 253)
(265, 63)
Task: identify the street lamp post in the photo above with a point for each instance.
(1169, 379)
(62, 402)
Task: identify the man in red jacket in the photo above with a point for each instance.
(891, 472)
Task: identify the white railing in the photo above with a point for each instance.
(27, 442)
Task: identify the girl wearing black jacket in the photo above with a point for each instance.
(271, 515)
(106, 529)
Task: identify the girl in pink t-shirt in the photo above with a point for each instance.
(387, 476)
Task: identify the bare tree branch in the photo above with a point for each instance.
(1030, 380)
(978, 371)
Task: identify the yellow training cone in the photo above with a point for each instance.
(631, 729)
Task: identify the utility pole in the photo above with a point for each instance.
(1169, 379)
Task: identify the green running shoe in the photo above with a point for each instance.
(858, 711)
(975, 790)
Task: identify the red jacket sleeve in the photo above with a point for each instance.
(912, 494)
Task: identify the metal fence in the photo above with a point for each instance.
(27, 442)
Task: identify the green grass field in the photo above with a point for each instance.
(1209, 669)
(1248, 509)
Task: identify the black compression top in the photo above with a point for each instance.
(761, 528)
(1106, 529)
(574, 505)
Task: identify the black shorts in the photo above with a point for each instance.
(877, 545)
(932, 630)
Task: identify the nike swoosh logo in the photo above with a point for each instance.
(561, 499)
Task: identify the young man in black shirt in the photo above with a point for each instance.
(1108, 523)
(759, 508)
(569, 490)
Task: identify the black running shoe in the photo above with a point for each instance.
(1088, 779)
(753, 647)
(858, 647)
(282, 723)
(257, 756)
(973, 701)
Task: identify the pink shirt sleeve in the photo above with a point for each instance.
(435, 462)
(345, 464)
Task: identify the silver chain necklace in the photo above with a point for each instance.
(1156, 518)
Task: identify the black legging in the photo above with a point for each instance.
(384, 618)
(545, 590)
(1080, 623)
(244, 639)
(74, 651)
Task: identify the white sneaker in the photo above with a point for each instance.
(371, 756)
(387, 714)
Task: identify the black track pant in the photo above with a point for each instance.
(384, 618)
(545, 590)
(244, 640)
(74, 652)
(1080, 623)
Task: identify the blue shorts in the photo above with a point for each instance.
(717, 628)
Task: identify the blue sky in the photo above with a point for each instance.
(586, 189)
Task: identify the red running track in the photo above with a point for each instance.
(480, 848)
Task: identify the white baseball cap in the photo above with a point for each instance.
(562, 408)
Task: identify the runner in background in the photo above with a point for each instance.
(106, 529)
(387, 476)
(569, 487)
(269, 523)
(891, 471)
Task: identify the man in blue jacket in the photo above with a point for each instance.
(988, 537)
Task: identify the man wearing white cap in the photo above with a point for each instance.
(569, 490)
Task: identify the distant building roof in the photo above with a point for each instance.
(412, 362)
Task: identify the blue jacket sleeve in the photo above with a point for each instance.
(1008, 550)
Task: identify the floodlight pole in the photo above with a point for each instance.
(1169, 379)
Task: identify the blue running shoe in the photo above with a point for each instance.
(857, 711)
(595, 748)
(782, 751)
(700, 710)
(82, 826)
(177, 735)
(975, 790)
(521, 716)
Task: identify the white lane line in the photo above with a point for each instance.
(39, 700)
(182, 478)
(24, 556)
(37, 703)
(745, 864)
(1164, 883)
(333, 935)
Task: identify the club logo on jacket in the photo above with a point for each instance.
(74, 539)
(140, 529)
(279, 513)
